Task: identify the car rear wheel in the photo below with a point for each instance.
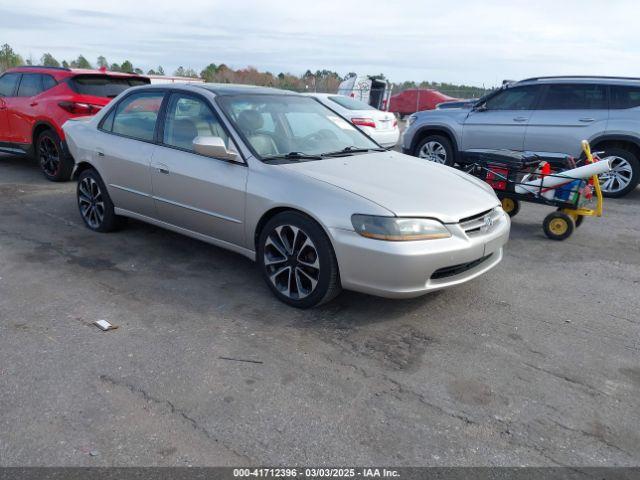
(624, 174)
(94, 203)
(298, 261)
(54, 163)
(435, 148)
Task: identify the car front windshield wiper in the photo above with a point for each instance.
(292, 156)
(351, 149)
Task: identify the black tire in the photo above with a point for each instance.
(299, 263)
(558, 226)
(621, 156)
(511, 206)
(433, 154)
(55, 163)
(94, 203)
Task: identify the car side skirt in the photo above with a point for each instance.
(250, 254)
(16, 148)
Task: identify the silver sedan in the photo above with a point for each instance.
(289, 183)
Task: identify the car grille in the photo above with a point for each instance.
(458, 269)
(481, 223)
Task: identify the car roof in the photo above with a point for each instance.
(69, 71)
(238, 89)
(218, 89)
(588, 79)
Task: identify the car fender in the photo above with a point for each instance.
(330, 206)
(439, 128)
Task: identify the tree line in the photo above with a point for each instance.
(319, 81)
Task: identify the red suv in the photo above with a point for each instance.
(36, 101)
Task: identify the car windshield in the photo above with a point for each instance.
(292, 127)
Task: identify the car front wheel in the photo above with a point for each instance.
(624, 174)
(435, 148)
(298, 261)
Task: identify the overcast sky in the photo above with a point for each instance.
(462, 41)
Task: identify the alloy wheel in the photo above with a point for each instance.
(434, 152)
(49, 156)
(618, 177)
(91, 202)
(291, 261)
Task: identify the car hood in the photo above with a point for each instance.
(406, 186)
(459, 114)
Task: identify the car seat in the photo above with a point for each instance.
(250, 122)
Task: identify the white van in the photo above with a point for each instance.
(367, 89)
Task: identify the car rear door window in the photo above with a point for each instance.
(625, 97)
(187, 118)
(516, 98)
(574, 97)
(48, 82)
(137, 114)
(107, 123)
(30, 85)
(8, 84)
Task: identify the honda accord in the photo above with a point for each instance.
(289, 183)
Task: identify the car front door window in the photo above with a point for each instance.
(187, 118)
(519, 98)
(8, 83)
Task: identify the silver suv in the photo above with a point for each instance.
(545, 114)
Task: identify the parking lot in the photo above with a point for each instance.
(535, 363)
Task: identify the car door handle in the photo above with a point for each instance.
(33, 104)
(587, 120)
(162, 168)
(99, 153)
(521, 119)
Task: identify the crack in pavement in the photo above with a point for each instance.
(184, 416)
(591, 390)
(595, 436)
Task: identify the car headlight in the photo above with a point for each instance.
(397, 229)
(411, 119)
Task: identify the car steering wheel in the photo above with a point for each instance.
(316, 137)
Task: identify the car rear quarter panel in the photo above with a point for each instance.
(624, 123)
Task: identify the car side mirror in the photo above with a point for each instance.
(482, 107)
(211, 146)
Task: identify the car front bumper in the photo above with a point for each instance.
(411, 269)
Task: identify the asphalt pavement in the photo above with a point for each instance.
(535, 363)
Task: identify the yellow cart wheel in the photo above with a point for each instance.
(510, 206)
(558, 226)
(579, 220)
